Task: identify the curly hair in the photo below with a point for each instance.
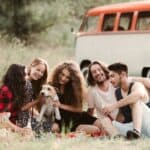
(15, 80)
(74, 91)
(37, 84)
(90, 79)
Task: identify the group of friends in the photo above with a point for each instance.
(118, 105)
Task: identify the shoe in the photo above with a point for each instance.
(131, 135)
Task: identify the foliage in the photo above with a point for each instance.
(22, 18)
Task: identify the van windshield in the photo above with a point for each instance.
(89, 24)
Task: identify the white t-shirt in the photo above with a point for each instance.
(98, 99)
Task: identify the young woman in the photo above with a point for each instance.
(36, 76)
(68, 79)
(37, 73)
(14, 92)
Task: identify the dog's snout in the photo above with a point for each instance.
(42, 93)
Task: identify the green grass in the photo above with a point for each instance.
(16, 52)
(81, 142)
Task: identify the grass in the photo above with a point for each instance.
(16, 52)
(81, 142)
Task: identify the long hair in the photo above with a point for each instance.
(74, 90)
(15, 80)
(90, 79)
(37, 84)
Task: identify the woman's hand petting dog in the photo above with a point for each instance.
(42, 100)
(56, 103)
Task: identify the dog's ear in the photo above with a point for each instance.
(57, 90)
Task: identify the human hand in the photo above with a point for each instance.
(42, 100)
(56, 103)
(107, 110)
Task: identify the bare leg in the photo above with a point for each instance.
(137, 113)
(7, 124)
(88, 129)
(55, 128)
(104, 124)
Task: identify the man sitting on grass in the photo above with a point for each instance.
(133, 97)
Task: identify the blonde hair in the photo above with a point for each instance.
(37, 84)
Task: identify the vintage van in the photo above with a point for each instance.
(116, 32)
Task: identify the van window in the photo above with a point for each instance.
(108, 23)
(125, 21)
(143, 21)
(89, 24)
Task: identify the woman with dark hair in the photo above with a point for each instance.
(14, 92)
(27, 97)
(68, 79)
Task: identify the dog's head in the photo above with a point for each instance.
(48, 91)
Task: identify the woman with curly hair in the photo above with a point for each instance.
(68, 79)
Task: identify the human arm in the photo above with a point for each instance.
(7, 124)
(67, 107)
(29, 105)
(90, 102)
(144, 81)
(138, 94)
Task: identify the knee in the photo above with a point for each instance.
(89, 129)
(55, 128)
(103, 121)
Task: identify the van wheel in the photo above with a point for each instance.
(84, 67)
(148, 73)
(85, 72)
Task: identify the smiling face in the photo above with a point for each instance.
(98, 73)
(64, 77)
(37, 71)
(115, 79)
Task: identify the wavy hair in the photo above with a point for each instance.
(74, 91)
(37, 84)
(15, 80)
(90, 79)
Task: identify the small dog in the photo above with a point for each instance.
(48, 92)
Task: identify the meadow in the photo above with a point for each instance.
(14, 51)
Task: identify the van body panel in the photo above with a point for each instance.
(110, 48)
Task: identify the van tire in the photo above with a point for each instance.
(84, 68)
(148, 73)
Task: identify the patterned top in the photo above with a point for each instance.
(23, 116)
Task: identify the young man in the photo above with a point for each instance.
(101, 92)
(134, 96)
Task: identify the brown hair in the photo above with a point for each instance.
(90, 79)
(37, 84)
(74, 91)
(118, 67)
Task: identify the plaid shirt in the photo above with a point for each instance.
(6, 102)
